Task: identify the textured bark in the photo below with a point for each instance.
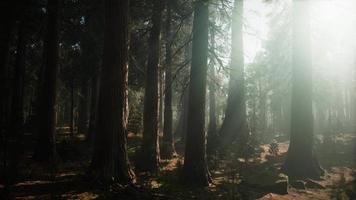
(45, 149)
(301, 162)
(195, 170)
(110, 160)
(235, 125)
(167, 147)
(149, 155)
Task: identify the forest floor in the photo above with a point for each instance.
(232, 178)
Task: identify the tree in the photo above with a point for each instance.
(167, 148)
(149, 155)
(83, 108)
(195, 170)
(45, 149)
(212, 127)
(110, 160)
(235, 125)
(15, 133)
(301, 160)
(7, 19)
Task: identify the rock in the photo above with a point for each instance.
(280, 187)
(297, 184)
(313, 184)
(275, 183)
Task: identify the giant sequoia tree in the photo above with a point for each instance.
(45, 149)
(234, 125)
(301, 160)
(149, 157)
(195, 170)
(110, 161)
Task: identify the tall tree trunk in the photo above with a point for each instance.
(301, 160)
(17, 111)
(181, 128)
(212, 127)
(167, 148)
(71, 117)
(45, 149)
(149, 158)
(83, 109)
(93, 108)
(110, 160)
(161, 97)
(235, 125)
(195, 169)
(7, 21)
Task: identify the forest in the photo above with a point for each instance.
(178, 99)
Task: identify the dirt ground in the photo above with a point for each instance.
(68, 180)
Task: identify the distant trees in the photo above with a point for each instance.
(234, 125)
(301, 160)
(195, 170)
(110, 160)
(45, 149)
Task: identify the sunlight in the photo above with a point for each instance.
(333, 25)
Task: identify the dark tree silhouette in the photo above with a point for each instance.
(7, 19)
(17, 106)
(149, 155)
(234, 125)
(195, 169)
(167, 148)
(45, 149)
(110, 160)
(301, 160)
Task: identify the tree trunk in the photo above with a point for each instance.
(161, 97)
(7, 19)
(83, 109)
(17, 111)
(181, 128)
(110, 160)
(149, 158)
(167, 148)
(45, 150)
(301, 161)
(212, 128)
(235, 125)
(71, 123)
(195, 169)
(93, 108)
